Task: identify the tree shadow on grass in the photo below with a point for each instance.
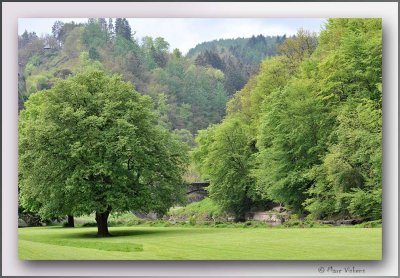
(122, 233)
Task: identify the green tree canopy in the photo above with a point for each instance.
(315, 113)
(224, 157)
(76, 141)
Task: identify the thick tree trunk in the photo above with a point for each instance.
(70, 222)
(102, 225)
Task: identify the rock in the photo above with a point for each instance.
(273, 218)
(279, 209)
(148, 216)
(348, 221)
(172, 221)
(332, 222)
(22, 223)
(262, 216)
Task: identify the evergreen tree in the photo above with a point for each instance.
(123, 29)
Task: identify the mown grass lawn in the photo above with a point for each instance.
(181, 243)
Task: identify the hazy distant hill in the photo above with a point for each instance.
(249, 50)
(238, 58)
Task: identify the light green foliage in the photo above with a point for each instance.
(156, 51)
(94, 36)
(193, 243)
(196, 97)
(349, 181)
(74, 144)
(162, 110)
(206, 208)
(273, 76)
(238, 58)
(316, 116)
(224, 156)
(123, 46)
(350, 176)
(185, 115)
(73, 45)
(177, 53)
(291, 138)
(225, 152)
(39, 82)
(33, 63)
(297, 48)
(215, 73)
(185, 136)
(192, 175)
(351, 59)
(86, 63)
(307, 127)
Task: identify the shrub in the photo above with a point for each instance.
(301, 224)
(370, 224)
(63, 73)
(366, 204)
(202, 210)
(89, 224)
(192, 220)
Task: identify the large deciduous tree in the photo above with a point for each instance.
(92, 144)
(348, 182)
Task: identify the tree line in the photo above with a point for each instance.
(306, 131)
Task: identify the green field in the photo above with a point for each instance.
(173, 243)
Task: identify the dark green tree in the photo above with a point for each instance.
(103, 24)
(93, 54)
(123, 29)
(110, 26)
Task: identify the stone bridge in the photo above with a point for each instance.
(196, 191)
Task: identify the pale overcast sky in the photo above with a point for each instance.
(185, 33)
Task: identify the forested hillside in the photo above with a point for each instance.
(238, 58)
(189, 93)
(306, 131)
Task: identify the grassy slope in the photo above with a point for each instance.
(159, 243)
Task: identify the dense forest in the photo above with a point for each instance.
(306, 131)
(237, 58)
(293, 120)
(189, 92)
